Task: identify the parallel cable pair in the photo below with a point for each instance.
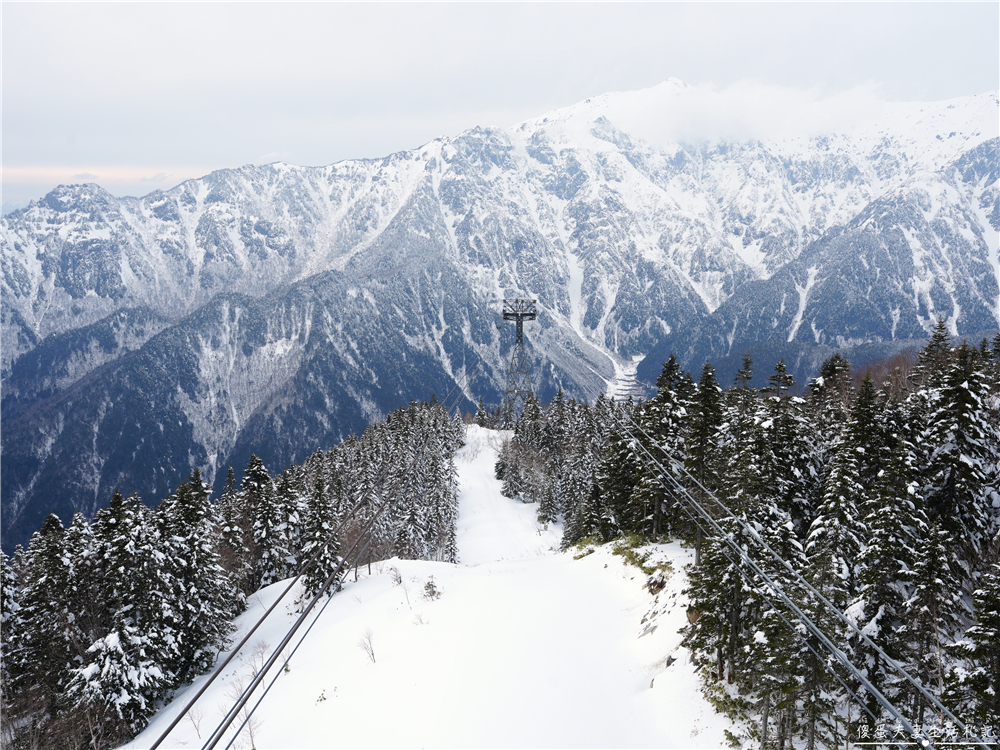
(362, 502)
(777, 590)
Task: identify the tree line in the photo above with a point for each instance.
(883, 495)
(102, 621)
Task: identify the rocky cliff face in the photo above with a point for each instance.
(278, 308)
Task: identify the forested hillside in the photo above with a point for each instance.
(882, 495)
(103, 620)
(879, 489)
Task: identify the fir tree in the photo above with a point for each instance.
(703, 455)
(322, 520)
(48, 646)
(932, 615)
(236, 542)
(268, 527)
(84, 592)
(975, 687)
(662, 420)
(960, 444)
(887, 515)
(125, 672)
(481, 417)
(11, 625)
(932, 362)
(200, 590)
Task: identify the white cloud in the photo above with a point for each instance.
(745, 110)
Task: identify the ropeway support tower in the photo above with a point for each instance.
(519, 374)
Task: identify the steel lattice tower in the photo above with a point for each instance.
(519, 374)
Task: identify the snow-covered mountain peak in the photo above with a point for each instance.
(636, 243)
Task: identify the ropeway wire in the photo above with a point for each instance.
(775, 589)
(244, 698)
(467, 378)
(825, 661)
(362, 501)
(778, 591)
(799, 579)
(305, 635)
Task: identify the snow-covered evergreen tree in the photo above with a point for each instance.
(48, 646)
(319, 538)
(933, 614)
(235, 542)
(961, 445)
(125, 672)
(974, 683)
(268, 525)
(703, 457)
(663, 422)
(889, 517)
(200, 596)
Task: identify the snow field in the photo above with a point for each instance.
(525, 646)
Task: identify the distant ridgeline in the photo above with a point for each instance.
(104, 620)
(273, 309)
(882, 494)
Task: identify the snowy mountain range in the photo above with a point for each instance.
(276, 309)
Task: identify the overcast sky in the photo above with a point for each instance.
(141, 96)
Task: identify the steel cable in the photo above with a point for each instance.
(798, 578)
(362, 502)
(390, 497)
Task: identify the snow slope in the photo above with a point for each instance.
(525, 647)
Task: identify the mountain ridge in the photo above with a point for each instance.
(371, 282)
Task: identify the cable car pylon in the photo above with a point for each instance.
(519, 373)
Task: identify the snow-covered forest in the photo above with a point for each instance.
(103, 620)
(881, 490)
(882, 495)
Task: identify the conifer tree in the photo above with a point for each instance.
(719, 590)
(553, 454)
(703, 454)
(269, 525)
(11, 626)
(932, 615)
(84, 591)
(932, 362)
(662, 420)
(618, 476)
(48, 648)
(125, 672)
(960, 445)
(200, 605)
(892, 521)
(292, 496)
(236, 542)
(322, 520)
(975, 688)
(481, 417)
(831, 394)
(790, 461)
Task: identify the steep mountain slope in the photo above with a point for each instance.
(521, 646)
(922, 251)
(274, 308)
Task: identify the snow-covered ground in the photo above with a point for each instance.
(525, 646)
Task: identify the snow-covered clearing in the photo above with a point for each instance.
(524, 647)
